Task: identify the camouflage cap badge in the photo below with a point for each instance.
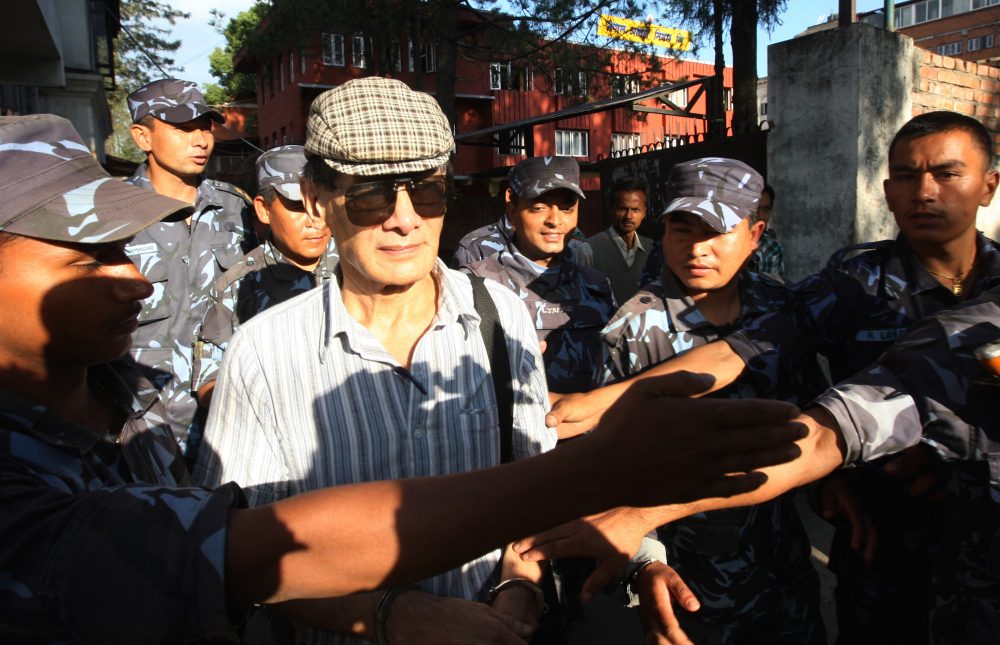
(52, 188)
(281, 169)
(722, 192)
(378, 126)
(171, 100)
(538, 175)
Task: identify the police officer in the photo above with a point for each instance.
(569, 303)
(173, 126)
(297, 255)
(749, 566)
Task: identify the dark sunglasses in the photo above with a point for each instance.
(372, 203)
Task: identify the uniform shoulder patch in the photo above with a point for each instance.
(235, 190)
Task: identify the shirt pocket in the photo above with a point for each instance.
(226, 244)
(154, 264)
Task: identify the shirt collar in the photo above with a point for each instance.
(453, 305)
(684, 311)
(617, 239)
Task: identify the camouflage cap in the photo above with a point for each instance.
(378, 126)
(281, 169)
(538, 175)
(171, 100)
(720, 191)
(52, 188)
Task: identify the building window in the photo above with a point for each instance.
(358, 54)
(333, 49)
(391, 56)
(504, 76)
(511, 143)
(428, 54)
(981, 42)
(302, 62)
(281, 76)
(763, 109)
(563, 83)
(679, 98)
(572, 143)
(622, 84)
(727, 98)
(950, 49)
(627, 143)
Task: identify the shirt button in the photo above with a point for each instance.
(185, 259)
(250, 262)
(418, 433)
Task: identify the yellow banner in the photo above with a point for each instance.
(644, 32)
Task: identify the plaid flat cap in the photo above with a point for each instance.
(52, 188)
(171, 100)
(378, 126)
(538, 175)
(281, 169)
(720, 191)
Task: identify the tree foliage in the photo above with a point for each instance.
(143, 52)
(238, 33)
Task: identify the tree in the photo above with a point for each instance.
(743, 18)
(232, 85)
(142, 53)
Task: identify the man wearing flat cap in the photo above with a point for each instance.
(749, 566)
(569, 303)
(383, 373)
(172, 124)
(296, 256)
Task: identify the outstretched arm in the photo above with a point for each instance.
(714, 366)
(612, 533)
(361, 537)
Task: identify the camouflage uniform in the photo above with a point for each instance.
(930, 387)
(852, 312)
(489, 240)
(183, 261)
(569, 304)
(98, 541)
(748, 566)
(261, 279)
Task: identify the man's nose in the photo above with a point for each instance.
(129, 283)
(404, 218)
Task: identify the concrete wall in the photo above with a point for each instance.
(834, 112)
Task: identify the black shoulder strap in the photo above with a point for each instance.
(496, 352)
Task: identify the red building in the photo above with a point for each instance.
(493, 93)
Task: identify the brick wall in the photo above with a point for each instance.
(944, 83)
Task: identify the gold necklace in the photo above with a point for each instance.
(956, 280)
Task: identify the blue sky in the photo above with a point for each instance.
(198, 39)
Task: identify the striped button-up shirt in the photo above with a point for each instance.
(308, 398)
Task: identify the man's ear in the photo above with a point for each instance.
(756, 230)
(991, 187)
(140, 134)
(260, 208)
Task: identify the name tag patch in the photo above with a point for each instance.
(141, 249)
(879, 335)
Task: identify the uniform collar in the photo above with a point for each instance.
(684, 314)
(40, 422)
(904, 271)
(208, 194)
